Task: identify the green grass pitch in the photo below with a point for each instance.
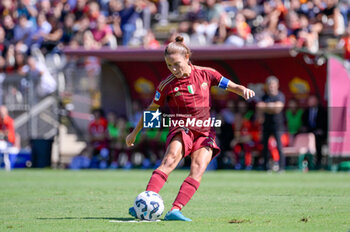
(54, 200)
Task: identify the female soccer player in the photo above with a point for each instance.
(187, 93)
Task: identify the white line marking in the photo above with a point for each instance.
(132, 221)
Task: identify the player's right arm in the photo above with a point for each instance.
(158, 101)
(130, 139)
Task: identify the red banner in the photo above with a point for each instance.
(297, 79)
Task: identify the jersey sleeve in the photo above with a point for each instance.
(217, 79)
(214, 76)
(159, 96)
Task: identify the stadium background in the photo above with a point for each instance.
(120, 72)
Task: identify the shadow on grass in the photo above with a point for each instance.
(89, 218)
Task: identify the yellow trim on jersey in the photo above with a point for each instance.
(165, 82)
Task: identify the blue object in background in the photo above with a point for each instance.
(213, 165)
(20, 160)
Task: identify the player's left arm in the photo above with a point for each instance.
(239, 89)
(224, 83)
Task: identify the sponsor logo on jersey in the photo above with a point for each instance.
(177, 94)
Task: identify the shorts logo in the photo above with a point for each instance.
(151, 119)
(157, 96)
(190, 89)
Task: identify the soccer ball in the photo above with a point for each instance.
(148, 206)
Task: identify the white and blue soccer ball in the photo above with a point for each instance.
(148, 206)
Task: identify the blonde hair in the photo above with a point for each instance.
(178, 46)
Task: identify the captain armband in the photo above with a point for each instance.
(223, 83)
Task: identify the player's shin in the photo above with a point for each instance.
(157, 181)
(187, 190)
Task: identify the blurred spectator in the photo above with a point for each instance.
(114, 135)
(265, 39)
(9, 27)
(10, 60)
(240, 35)
(315, 121)
(103, 33)
(43, 28)
(174, 8)
(150, 42)
(42, 79)
(242, 143)
(129, 15)
(7, 128)
(45, 7)
(196, 12)
(113, 17)
(253, 13)
(68, 29)
(281, 36)
(308, 34)
(52, 39)
(98, 139)
(23, 30)
(163, 6)
(7, 7)
(226, 134)
(222, 30)
(80, 9)
(26, 8)
(214, 10)
(331, 18)
(243, 110)
(93, 13)
(2, 78)
(294, 115)
(272, 104)
(345, 44)
(137, 113)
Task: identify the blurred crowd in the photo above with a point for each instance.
(49, 25)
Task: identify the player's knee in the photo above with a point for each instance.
(197, 169)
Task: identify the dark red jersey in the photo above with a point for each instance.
(189, 97)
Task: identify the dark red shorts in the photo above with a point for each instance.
(193, 140)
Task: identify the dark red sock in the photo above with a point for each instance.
(157, 181)
(187, 190)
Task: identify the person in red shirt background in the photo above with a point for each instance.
(345, 43)
(98, 138)
(7, 128)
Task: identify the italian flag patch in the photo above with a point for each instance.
(190, 89)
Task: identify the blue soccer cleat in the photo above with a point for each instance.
(176, 215)
(132, 212)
